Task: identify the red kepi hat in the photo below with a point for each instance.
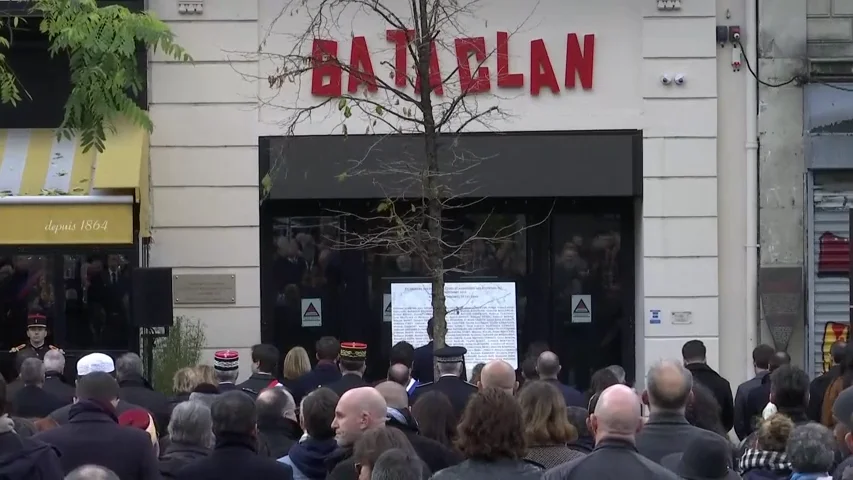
(353, 351)
(226, 360)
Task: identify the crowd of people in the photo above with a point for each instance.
(325, 420)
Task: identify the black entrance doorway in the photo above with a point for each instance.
(563, 250)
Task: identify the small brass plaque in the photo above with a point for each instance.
(204, 289)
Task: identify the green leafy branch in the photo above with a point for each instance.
(102, 45)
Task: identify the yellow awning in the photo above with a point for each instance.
(35, 163)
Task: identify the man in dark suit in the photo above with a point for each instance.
(761, 356)
(54, 380)
(451, 361)
(694, 354)
(423, 370)
(328, 349)
(548, 367)
(352, 364)
(32, 401)
(264, 361)
(668, 389)
(758, 397)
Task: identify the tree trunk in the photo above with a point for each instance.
(432, 187)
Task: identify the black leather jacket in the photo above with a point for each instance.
(500, 470)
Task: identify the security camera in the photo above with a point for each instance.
(666, 79)
(736, 36)
(679, 79)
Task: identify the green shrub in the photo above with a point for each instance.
(182, 348)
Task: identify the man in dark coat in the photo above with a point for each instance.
(136, 390)
(435, 455)
(93, 435)
(423, 370)
(615, 455)
(353, 356)
(32, 401)
(761, 356)
(451, 361)
(190, 437)
(819, 386)
(24, 458)
(326, 372)
(694, 354)
(54, 380)
(758, 397)
(548, 367)
(667, 431)
(235, 455)
(278, 429)
(264, 361)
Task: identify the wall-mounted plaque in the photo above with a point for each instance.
(204, 289)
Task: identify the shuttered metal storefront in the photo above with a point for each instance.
(830, 257)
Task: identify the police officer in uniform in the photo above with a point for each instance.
(352, 365)
(37, 333)
(451, 365)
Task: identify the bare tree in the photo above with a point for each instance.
(409, 96)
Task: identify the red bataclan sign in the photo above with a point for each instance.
(327, 73)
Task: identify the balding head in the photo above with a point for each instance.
(399, 373)
(548, 366)
(498, 374)
(358, 410)
(669, 386)
(617, 414)
(394, 394)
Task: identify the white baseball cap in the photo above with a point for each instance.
(95, 362)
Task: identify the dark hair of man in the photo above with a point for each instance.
(233, 413)
(694, 351)
(789, 386)
(577, 417)
(2, 395)
(436, 417)
(374, 443)
(266, 356)
(837, 352)
(350, 365)
(396, 464)
(528, 369)
(403, 353)
(328, 348)
(318, 412)
(761, 356)
(97, 386)
(22, 356)
(481, 437)
(430, 327)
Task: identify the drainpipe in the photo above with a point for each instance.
(751, 52)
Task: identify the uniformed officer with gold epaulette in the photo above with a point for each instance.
(451, 365)
(37, 333)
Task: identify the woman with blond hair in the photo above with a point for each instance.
(296, 364)
(183, 384)
(206, 374)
